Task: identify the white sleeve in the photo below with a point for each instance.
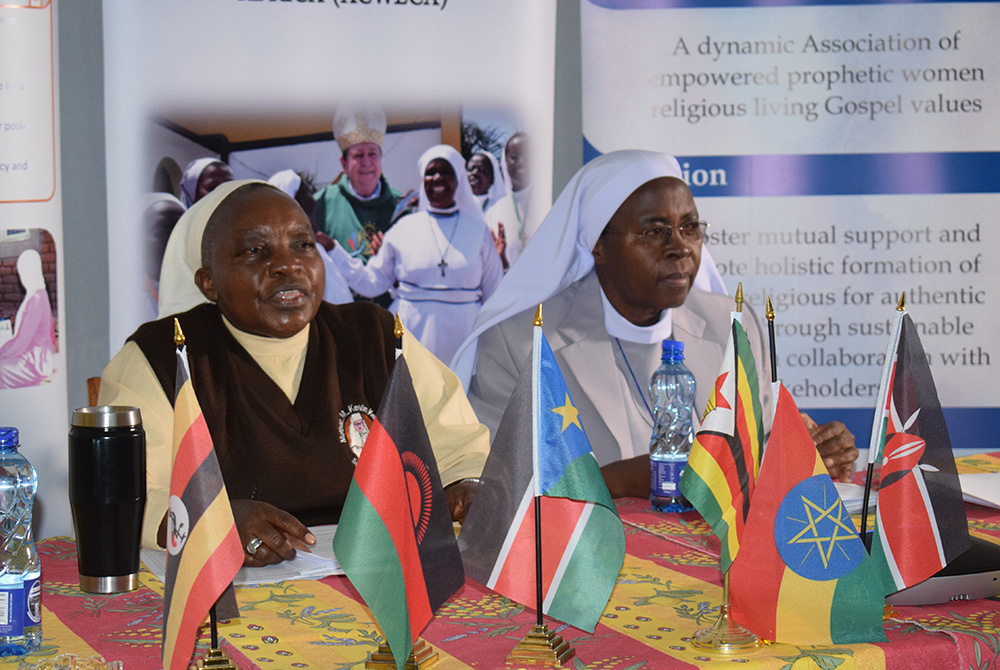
(369, 280)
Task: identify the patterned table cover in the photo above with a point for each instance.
(669, 588)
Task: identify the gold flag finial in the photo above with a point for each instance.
(769, 313)
(538, 316)
(397, 329)
(901, 306)
(739, 297)
(178, 333)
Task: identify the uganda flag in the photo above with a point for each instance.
(920, 522)
(722, 467)
(541, 455)
(203, 546)
(395, 539)
(802, 575)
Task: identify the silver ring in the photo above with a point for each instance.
(253, 545)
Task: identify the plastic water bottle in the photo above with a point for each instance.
(672, 390)
(20, 588)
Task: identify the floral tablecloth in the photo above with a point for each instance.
(669, 587)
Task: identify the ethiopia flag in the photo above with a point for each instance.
(203, 547)
(395, 539)
(541, 455)
(722, 467)
(920, 522)
(802, 575)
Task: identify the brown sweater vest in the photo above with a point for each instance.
(289, 455)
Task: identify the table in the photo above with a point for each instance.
(669, 587)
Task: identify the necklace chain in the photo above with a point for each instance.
(443, 264)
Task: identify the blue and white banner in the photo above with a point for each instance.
(843, 152)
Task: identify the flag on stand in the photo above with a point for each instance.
(395, 539)
(802, 575)
(722, 467)
(920, 522)
(541, 449)
(203, 547)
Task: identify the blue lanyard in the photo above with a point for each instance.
(642, 394)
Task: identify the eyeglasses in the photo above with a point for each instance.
(659, 236)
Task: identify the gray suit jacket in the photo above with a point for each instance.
(607, 387)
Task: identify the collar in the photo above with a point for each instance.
(620, 327)
(260, 346)
(365, 198)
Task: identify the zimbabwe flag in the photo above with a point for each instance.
(395, 539)
(802, 575)
(722, 467)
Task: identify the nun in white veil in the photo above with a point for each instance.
(496, 188)
(439, 263)
(607, 359)
(560, 252)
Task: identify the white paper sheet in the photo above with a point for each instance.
(316, 565)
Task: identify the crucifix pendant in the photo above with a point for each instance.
(443, 264)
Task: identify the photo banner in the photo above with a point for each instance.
(32, 302)
(256, 84)
(843, 153)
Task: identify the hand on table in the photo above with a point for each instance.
(836, 447)
(628, 478)
(280, 533)
(459, 496)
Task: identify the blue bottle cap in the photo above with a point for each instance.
(9, 437)
(675, 347)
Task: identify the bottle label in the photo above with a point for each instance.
(665, 477)
(33, 602)
(12, 610)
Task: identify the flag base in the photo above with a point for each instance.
(422, 656)
(726, 636)
(216, 660)
(541, 648)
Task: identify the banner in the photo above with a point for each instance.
(32, 302)
(256, 83)
(842, 153)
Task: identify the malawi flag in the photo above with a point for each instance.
(203, 547)
(722, 467)
(920, 522)
(395, 539)
(802, 575)
(542, 455)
